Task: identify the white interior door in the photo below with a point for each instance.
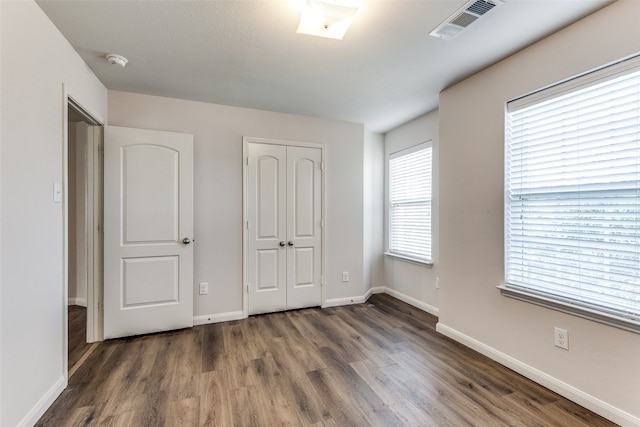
(284, 209)
(304, 227)
(148, 228)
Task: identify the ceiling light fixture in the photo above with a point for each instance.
(116, 59)
(328, 18)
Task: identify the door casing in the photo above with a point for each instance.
(94, 330)
(245, 222)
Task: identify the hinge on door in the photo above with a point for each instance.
(247, 288)
(100, 228)
(247, 225)
(101, 148)
(321, 166)
(246, 160)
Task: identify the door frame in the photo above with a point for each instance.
(94, 248)
(245, 214)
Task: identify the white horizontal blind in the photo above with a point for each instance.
(572, 201)
(410, 203)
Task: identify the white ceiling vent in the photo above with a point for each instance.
(463, 17)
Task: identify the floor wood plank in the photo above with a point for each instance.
(375, 364)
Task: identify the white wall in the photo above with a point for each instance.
(413, 283)
(35, 63)
(373, 221)
(601, 370)
(218, 132)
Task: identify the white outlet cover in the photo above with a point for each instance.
(204, 288)
(561, 338)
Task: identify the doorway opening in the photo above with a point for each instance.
(83, 211)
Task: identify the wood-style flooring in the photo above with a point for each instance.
(375, 364)
(77, 333)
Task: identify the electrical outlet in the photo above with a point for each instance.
(345, 276)
(561, 338)
(204, 288)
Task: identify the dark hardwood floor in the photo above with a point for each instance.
(375, 364)
(77, 333)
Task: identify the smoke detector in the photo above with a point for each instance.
(463, 17)
(117, 59)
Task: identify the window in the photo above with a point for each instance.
(410, 203)
(572, 196)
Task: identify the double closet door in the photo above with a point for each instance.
(284, 227)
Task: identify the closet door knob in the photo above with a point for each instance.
(290, 243)
(281, 243)
(186, 240)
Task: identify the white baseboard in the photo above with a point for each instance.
(581, 398)
(82, 302)
(411, 301)
(382, 290)
(44, 403)
(216, 318)
(379, 290)
(335, 302)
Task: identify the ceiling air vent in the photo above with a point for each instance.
(464, 17)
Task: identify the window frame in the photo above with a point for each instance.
(428, 260)
(580, 308)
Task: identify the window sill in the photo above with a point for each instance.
(569, 308)
(428, 264)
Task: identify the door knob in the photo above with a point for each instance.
(186, 241)
(281, 243)
(290, 243)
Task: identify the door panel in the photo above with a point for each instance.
(268, 195)
(150, 179)
(284, 209)
(303, 267)
(304, 226)
(266, 208)
(148, 210)
(149, 281)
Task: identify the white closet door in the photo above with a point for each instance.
(266, 207)
(284, 210)
(304, 227)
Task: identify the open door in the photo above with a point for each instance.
(148, 231)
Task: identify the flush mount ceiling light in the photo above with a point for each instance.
(116, 59)
(327, 18)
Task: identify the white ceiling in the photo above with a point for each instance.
(386, 71)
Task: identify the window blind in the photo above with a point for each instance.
(410, 203)
(572, 196)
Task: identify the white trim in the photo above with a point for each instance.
(428, 264)
(405, 298)
(412, 301)
(219, 317)
(335, 302)
(82, 302)
(65, 236)
(578, 396)
(94, 212)
(44, 403)
(368, 294)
